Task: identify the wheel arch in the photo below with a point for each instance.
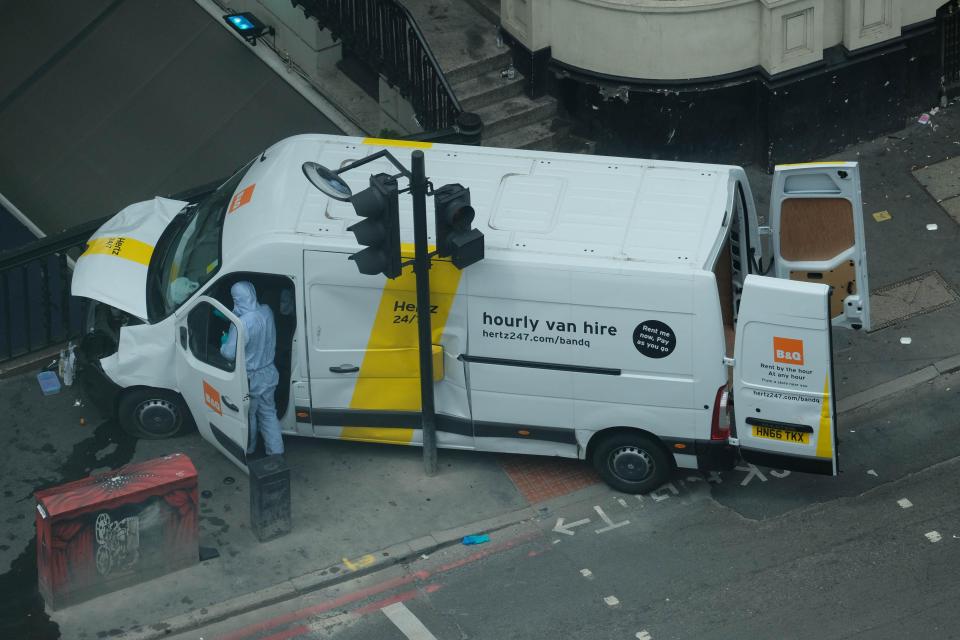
(187, 421)
(126, 391)
(601, 435)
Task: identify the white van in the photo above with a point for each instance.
(621, 303)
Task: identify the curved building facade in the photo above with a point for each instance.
(761, 81)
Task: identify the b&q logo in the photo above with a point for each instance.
(787, 350)
(241, 198)
(212, 397)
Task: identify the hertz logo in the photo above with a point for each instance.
(788, 350)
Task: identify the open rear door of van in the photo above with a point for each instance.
(784, 405)
(816, 214)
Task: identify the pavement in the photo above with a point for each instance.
(358, 508)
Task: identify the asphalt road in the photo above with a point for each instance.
(752, 554)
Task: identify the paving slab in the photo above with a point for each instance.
(941, 179)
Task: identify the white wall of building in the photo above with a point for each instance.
(684, 39)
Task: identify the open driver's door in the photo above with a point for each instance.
(215, 388)
(784, 407)
(816, 215)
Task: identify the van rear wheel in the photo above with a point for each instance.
(154, 414)
(631, 462)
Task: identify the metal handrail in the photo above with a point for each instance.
(385, 35)
(37, 309)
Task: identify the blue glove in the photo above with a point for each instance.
(223, 338)
(219, 314)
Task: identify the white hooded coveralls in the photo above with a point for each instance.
(259, 350)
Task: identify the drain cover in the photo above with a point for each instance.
(911, 297)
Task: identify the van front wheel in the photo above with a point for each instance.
(154, 414)
(631, 462)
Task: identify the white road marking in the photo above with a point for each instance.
(622, 502)
(586, 573)
(752, 472)
(904, 503)
(644, 635)
(611, 601)
(779, 474)
(408, 623)
(610, 523)
(659, 496)
(933, 536)
(556, 541)
(564, 528)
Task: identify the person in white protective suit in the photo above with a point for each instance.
(259, 350)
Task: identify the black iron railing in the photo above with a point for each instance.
(37, 310)
(949, 16)
(385, 36)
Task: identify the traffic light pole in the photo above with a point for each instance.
(421, 267)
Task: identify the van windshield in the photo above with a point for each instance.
(192, 255)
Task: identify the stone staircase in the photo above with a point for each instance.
(478, 66)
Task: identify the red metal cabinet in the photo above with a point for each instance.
(114, 529)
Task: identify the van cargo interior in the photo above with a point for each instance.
(815, 229)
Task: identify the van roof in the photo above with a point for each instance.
(569, 205)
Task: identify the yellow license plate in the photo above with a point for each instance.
(782, 435)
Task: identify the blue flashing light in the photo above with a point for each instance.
(241, 23)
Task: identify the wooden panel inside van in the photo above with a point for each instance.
(815, 228)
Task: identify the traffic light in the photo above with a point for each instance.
(379, 232)
(454, 215)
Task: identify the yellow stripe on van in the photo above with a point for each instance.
(389, 376)
(120, 247)
(825, 434)
(387, 142)
(827, 163)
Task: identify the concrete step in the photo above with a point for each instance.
(542, 135)
(486, 89)
(467, 69)
(489, 9)
(514, 113)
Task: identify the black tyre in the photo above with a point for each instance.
(631, 462)
(154, 414)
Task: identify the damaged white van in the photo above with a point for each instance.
(622, 309)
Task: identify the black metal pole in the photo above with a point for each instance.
(421, 267)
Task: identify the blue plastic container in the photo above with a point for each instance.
(49, 382)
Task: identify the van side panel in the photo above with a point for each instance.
(654, 349)
(574, 349)
(364, 356)
(711, 372)
(519, 363)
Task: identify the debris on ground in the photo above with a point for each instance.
(906, 340)
(882, 216)
(476, 539)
